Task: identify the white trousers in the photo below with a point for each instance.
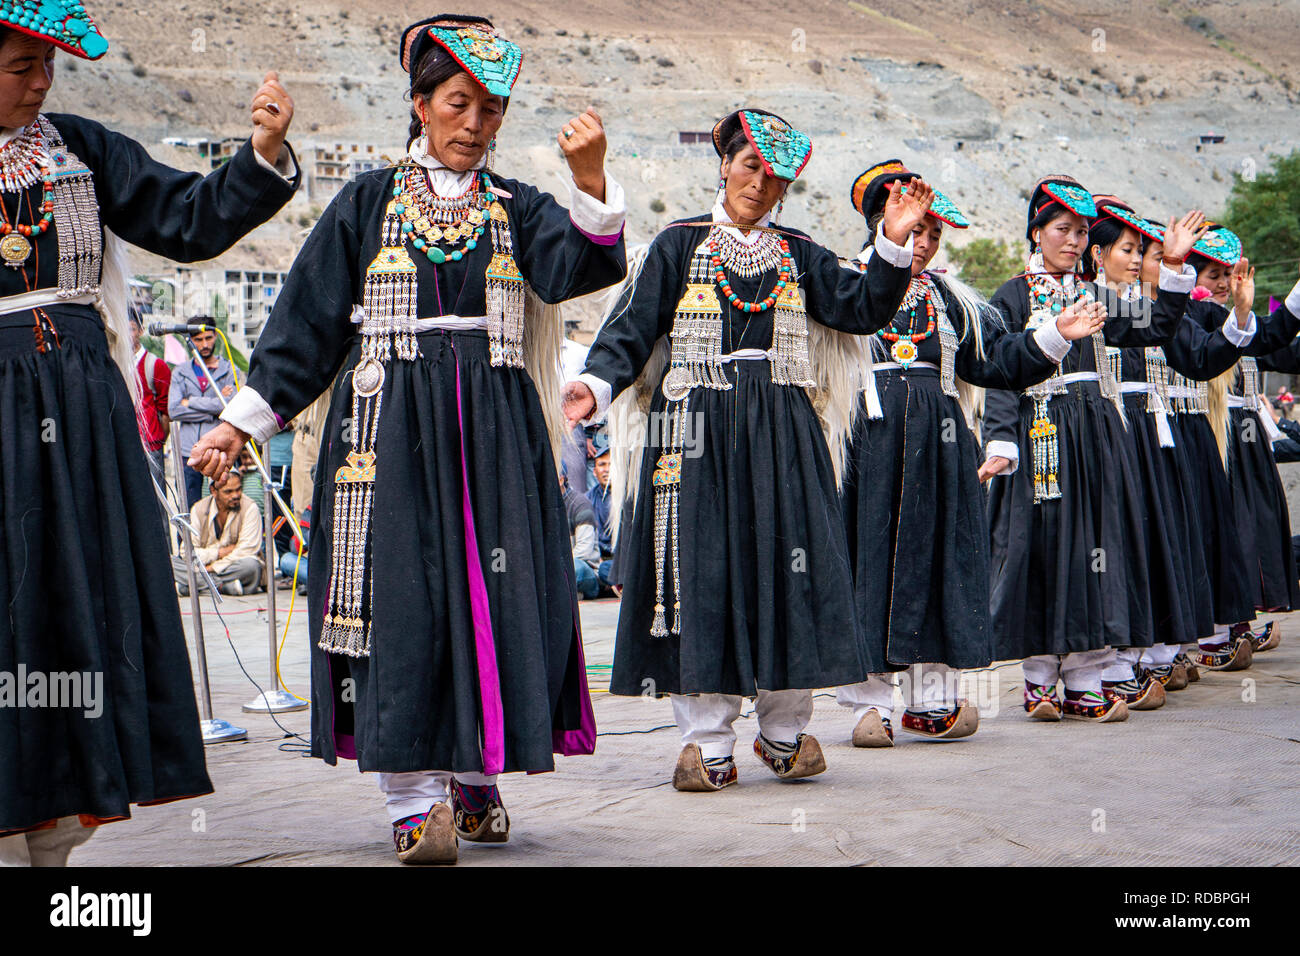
(1122, 663)
(707, 719)
(44, 847)
(925, 687)
(1080, 670)
(406, 794)
(1158, 655)
(1220, 636)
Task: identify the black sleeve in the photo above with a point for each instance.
(1001, 406)
(846, 299)
(1274, 333)
(644, 312)
(1139, 322)
(1287, 449)
(1011, 360)
(557, 258)
(310, 329)
(183, 216)
(1200, 355)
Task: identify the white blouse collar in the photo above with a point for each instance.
(748, 238)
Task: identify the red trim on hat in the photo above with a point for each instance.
(744, 124)
(74, 50)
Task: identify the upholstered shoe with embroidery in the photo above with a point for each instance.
(1090, 705)
(692, 775)
(1266, 638)
(1041, 702)
(478, 813)
(803, 758)
(426, 837)
(873, 731)
(1228, 656)
(943, 724)
(1193, 672)
(1139, 694)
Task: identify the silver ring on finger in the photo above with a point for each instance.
(568, 133)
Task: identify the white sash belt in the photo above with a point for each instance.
(1163, 430)
(1270, 427)
(745, 355)
(1069, 378)
(38, 298)
(894, 366)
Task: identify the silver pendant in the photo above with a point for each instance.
(367, 377)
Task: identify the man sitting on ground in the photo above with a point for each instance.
(230, 539)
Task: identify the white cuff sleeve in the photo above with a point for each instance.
(250, 413)
(1293, 301)
(1178, 282)
(1049, 338)
(892, 252)
(604, 393)
(1236, 334)
(598, 220)
(284, 166)
(1004, 449)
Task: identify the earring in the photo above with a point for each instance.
(722, 191)
(491, 155)
(780, 204)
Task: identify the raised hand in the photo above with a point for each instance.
(583, 141)
(577, 403)
(904, 211)
(1181, 235)
(1242, 285)
(1081, 320)
(272, 109)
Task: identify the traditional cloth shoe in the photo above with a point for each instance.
(1235, 656)
(1178, 679)
(873, 731)
(1266, 638)
(1146, 694)
(426, 837)
(478, 814)
(961, 721)
(803, 758)
(693, 776)
(1162, 674)
(1193, 672)
(1093, 706)
(1041, 702)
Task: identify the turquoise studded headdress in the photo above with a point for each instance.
(1219, 244)
(473, 43)
(945, 210)
(64, 23)
(1114, 209)
(783, 149)
(1064, 190)
(870, 190)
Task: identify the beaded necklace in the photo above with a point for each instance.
(429, 219)
(23, 162)
(749, 261)
(903, 349)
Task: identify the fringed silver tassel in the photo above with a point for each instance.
(1250, 382)
(504, 296)
(948, 343)
(667, 481)
(1046, 450)
(790, 364)
(696, 336)
(76, 217)
(1202, 401)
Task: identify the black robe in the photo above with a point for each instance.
(1178, 576)
(766, 591)
(1070, 573)
(415, 702)
(1263, 520)
(85, 574)
(914, 506)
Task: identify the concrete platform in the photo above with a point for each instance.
(1212, 778)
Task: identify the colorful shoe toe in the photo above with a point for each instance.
(1266, 638)
(692, 776)
(807, 759)
(428, 838)
(1095, 707)
(478, 814)
(1233, 656)
(1146, 694)
(1041, 702)
(873, 731)
(961, 721)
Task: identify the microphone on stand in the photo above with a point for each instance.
(162, 328)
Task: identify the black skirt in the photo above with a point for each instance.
(1069, 574)
(766, 590)
(918, 534)
(1225, 557)
(1263, 520)
(1179, 584)
(87, 586)
(423, 699)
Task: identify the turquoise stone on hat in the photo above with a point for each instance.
(1145, 227)
(1075, 198)
(1219, 244)
(783, 149)
(945, 210)
(492, 61)
(64, 23)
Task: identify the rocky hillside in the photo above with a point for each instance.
(982, 97)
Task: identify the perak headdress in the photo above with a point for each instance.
(65, 23)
